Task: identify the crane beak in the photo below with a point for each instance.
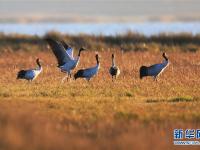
(83, 49)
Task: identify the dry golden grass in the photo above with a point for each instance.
(127, 114)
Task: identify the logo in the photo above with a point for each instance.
(187, 137)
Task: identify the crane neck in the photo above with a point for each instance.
(79, 52)
(97, 59)
(38, 63)
(165, 57)
(113, 61)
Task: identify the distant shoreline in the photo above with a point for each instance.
(63, 18)
(182, 42)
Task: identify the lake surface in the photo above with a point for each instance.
(148, 28)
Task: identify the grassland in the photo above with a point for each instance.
(127, 114)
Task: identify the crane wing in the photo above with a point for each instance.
(70, 52)
(68, 49)
(59, 51)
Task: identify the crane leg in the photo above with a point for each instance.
(155, 78)
(64, 78)
(69, 77)
(115, 77)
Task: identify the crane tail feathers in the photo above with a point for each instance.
(143, 71)
(21, 74)
(78, 74)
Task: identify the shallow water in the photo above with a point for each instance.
(148, 28)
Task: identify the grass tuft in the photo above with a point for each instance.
(183, 99)
(126, 116)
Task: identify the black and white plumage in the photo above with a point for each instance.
(89, 72)
(31, 74)
(154, 70)
(64, 55)
(114, 70)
